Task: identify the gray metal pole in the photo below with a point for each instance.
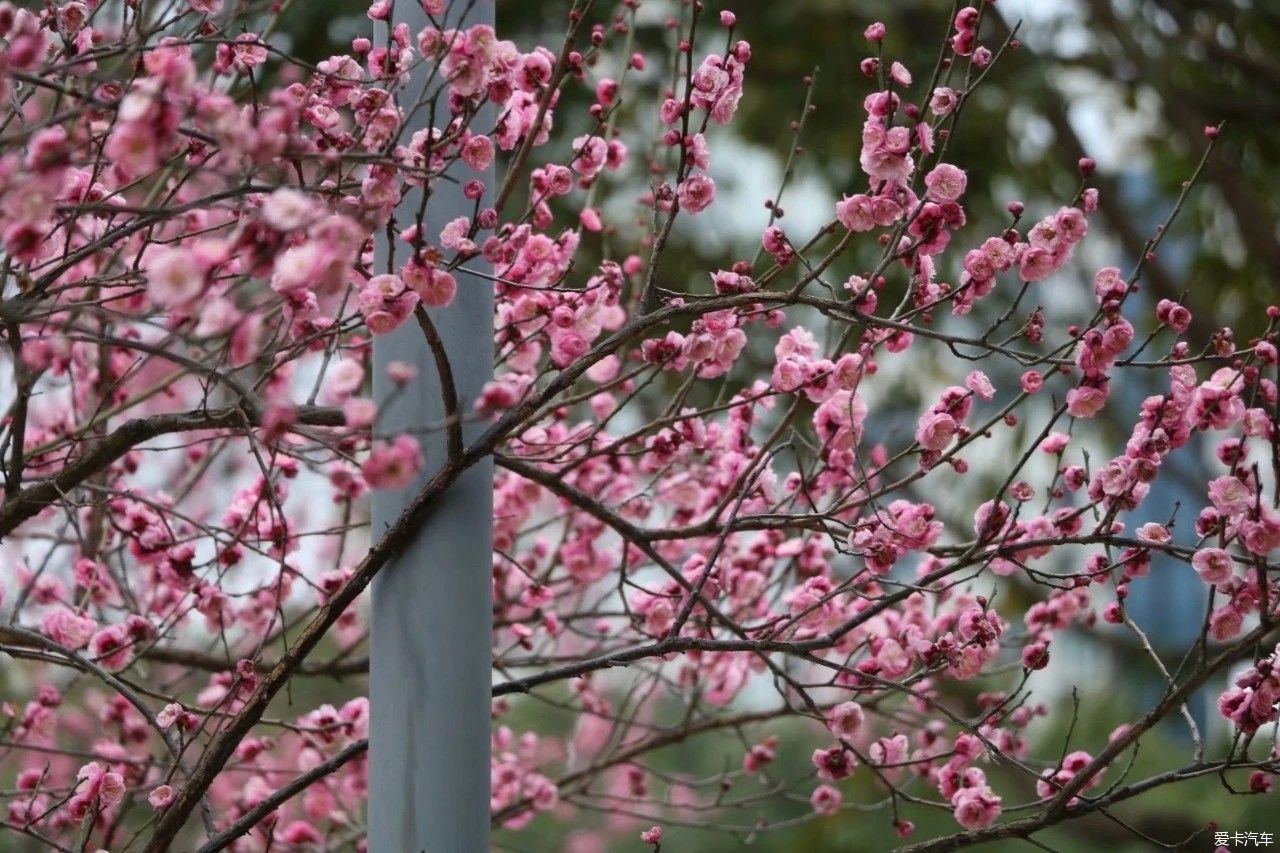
(430, 658)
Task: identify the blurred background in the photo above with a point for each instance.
(1131, 83)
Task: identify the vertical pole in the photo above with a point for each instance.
(430, 658)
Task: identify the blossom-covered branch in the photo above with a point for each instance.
(846, 495)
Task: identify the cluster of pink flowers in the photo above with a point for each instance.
(1072, 764)
(1254, 700)
(515, 780)
(197, 235)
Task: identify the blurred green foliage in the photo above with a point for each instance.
(1179, 812)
